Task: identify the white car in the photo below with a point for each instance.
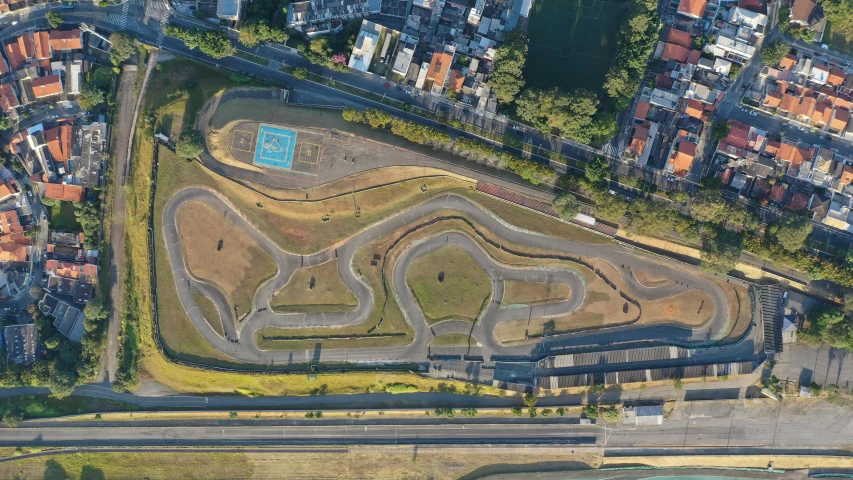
(14, 22)
(753, 113)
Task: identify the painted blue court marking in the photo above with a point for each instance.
(275, 146)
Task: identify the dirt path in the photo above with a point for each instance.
(128, 109)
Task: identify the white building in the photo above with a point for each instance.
(365, 46)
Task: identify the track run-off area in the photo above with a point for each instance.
(239, 343)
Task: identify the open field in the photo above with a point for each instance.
(211, 314)
(691, 306)
(352, 462)
(534, 293)
(449, 284)
(315, 289)
(649, 280)
(572, 36)
(221, 254)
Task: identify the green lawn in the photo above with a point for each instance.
(62, 217)
(315, 289)
(210, 313)
(573, 42)
(252, 58)
(449, 284)
(45, 406)
(451, 340)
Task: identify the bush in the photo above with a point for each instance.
(189, 145)
(400, 388)
(516, 411)
(591, 410)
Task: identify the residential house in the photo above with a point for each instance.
(86, 272)
(319, 11)
(65, 193)
(21, 342)
(9, 103)
(68, 319)
(20, 50)
(228, 10)
(47, 87)
(438, 72)
(694, 9)
(675, 52)
(756, 22)
(682, 156)
(365, 46)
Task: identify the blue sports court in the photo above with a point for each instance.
(275, 146)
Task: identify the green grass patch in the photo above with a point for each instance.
(211, 314)
(252, 58)
(449, 284)
(315, 289)
(46, 406)
(62, 217)
(451, 340)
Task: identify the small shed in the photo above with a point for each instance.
(643, 415)
(789, 329)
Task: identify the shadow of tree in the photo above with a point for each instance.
(91, 473)
(54, 471)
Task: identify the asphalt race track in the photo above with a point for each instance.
(240, 344)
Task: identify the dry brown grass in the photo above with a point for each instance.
(238, 269)
(691, 308)
(534, 293)
(328, 294)
(352, 462)
(649, 280)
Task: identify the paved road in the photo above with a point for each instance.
(241, 343)
(733, 426)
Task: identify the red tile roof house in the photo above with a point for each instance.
(736, 141)
(19, 51)
(679, 37)
(675, 52)
(65, 193)
(9, 100)
(66, 40)
(48, 86)
(692, 8)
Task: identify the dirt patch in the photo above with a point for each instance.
(691, 308)
(218, 252)
(534, 293)
(649, 280)
(315, 289)
(449, 284)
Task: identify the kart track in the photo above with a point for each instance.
(239, 341)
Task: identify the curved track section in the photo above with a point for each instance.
(240, 341)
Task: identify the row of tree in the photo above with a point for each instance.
(475, 150)
(210, 42)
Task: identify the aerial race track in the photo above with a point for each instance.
(239, 341)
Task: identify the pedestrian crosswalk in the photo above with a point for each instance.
(164, 20)
(124, 11)
(113, 18)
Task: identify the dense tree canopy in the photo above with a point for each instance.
(596, 170)
(90, 97)
(507, 78)
(122, 47)
(709, 206)
(720, 251)
(553, 110)
(252, 34)
(791, 232)
(210, 42)
(773, 52)
(567, 206)
(189, 145)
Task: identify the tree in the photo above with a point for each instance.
(95, 310)
(210, 42)
(62, 383)
(591, 410)
(655, 218)
(469, 412)
(791, 232)
(773, 52)
(254, 33)
(677, 383)
(567, 206)
(597, 388)
(12, 417)
(507, 77)
(54, 19)
(597, 170)
(720, 129)
(720, 250)
(6, 122)
(553, 110)
(609, 207)
(709, 206)
(300, 73)
(530, 400)
(90, 97)
(610, 414)
(189, 145)
(516, 411)
(122, 47)
(621, 84)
